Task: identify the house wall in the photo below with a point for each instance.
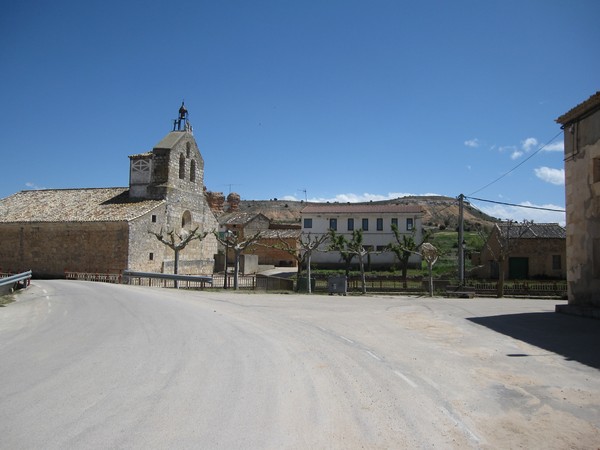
(582, 186)
(50, 249)
(539, 253)
(267, 255)
(371, 237)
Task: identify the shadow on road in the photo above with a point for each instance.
(575, 338)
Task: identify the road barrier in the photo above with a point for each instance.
(10, 283)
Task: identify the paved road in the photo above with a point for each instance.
(89, 365)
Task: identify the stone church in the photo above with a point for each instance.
(107, 230)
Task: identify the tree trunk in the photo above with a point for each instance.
(404, 273)
(236, 270)
(363, 281)
(176, 267)
(500, 285)
(308, 275)
(430, 267)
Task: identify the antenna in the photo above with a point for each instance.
(305, 196)
(230, 185)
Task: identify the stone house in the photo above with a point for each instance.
(106, 230)
(376, 222)
(581, 127)
(246, 224)
(528, 250)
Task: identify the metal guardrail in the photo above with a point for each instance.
(7, 284)
(139, 278)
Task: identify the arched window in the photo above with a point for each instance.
(182, 167)
(186, 220)
(188, 146)
(193, 171)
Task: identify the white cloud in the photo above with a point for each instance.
(505, 212)
(516, 154)
(549, 175)
(33, 186)
(555, 147)
(529, 144)
(474, 143)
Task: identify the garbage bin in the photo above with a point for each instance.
(337, 285)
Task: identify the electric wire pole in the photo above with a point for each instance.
(461, 252)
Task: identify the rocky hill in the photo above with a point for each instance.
(439, 211)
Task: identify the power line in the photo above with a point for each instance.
(518, 206)
(519, 165)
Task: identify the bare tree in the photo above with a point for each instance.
(430, 254)
(302, 253)
(177, 242)
(238, 245)
(505, 242)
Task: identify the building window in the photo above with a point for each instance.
(379, 224)
(153, 218)
(333, 224)
(151, 256)
(182, 167)
(381, 248)
(188, 147)
(596, 170)
(365, 224)
(193, 171)
(350, 224)
(409, 224)
(395, 222)
(186, 219)
(307, 223)
(556, 262)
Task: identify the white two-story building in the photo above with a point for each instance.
(376, 222)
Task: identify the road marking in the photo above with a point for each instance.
(406, 379)
(346, 339)
(373, 355)
(460, 424)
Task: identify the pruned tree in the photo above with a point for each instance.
(505, 237)
(177, 242)
(345, 247)
(302, 253)
(238, 245)
(403, 248)
(430, 254)
(348, 249)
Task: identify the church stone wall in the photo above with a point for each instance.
(50, 249)
(582, 186)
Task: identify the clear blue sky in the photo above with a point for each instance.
(348, 100)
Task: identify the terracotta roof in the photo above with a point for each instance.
(581, 109)
(74, 205)
(357, 208)
(533, 230)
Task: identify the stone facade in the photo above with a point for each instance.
(106, 230)
(582, 185)
(532, 251)
(50, 249)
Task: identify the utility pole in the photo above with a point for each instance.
(461, 252)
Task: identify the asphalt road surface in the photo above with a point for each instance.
(90, 365)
